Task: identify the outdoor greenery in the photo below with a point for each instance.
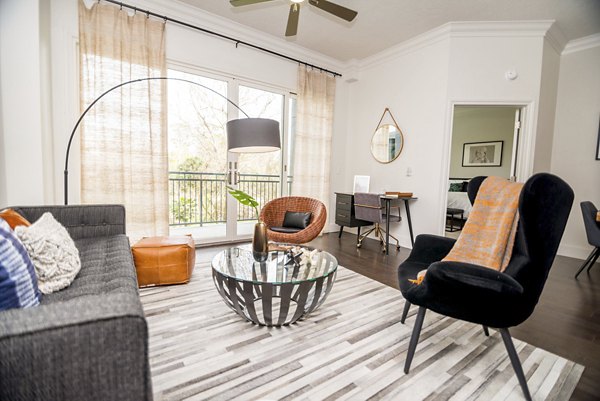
(198, 151)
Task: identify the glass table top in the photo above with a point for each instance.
(279, 268)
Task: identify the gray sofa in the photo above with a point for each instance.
(90, 340)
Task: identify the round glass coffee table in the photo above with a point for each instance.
(280, 290)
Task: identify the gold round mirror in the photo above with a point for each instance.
(387, 142)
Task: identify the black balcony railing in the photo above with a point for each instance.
(197, 199)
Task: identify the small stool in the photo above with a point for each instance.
(451, 213)
(164, 260)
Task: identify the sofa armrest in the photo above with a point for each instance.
(87, 348)
(430, 248)
(82, 221)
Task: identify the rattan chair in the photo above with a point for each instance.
(273, 212)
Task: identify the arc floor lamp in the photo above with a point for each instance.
(244, 135)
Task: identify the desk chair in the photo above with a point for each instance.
(368, 207)
(592, 229)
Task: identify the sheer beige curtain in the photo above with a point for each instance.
(124, 137)
(314, 128)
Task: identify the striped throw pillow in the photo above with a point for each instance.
(18, 282)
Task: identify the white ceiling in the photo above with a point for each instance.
(383, 23)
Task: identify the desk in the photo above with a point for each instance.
(344, 214)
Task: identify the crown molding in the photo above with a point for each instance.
(585, 43)
(468, 29)
(500, 28)
(418, 42)
(193, 15)
(555, 37)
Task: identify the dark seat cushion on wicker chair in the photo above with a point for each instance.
(285, 230)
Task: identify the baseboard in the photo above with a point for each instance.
(574, 251)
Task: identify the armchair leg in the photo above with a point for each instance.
(587, 261)
(516, 364)
(405, 311)
(414, 339)
(594, 260)
(486, 331)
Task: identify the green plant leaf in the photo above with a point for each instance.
(243, 198)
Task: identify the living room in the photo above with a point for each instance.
(542, 58)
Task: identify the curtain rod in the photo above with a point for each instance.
(207, 31)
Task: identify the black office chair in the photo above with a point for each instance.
(485, 296)
(592, 230)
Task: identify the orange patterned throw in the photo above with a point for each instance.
(488, 236)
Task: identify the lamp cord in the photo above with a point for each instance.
(66, 171)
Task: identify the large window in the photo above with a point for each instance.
(200, 168)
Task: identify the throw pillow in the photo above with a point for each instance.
(296, 219)
(18, 284)
(456, 187)
(53, 252)
(14, 219)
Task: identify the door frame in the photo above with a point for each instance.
(526, 145)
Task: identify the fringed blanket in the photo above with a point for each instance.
(488, 236)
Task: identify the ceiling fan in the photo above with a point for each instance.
(292, 24)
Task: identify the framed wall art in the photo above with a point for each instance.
(482, 154)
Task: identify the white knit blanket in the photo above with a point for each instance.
(52, 251)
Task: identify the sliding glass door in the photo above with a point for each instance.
(200, 168)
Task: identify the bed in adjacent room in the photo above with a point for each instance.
(457, 195)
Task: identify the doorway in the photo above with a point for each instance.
(201, 168)
(485, 142)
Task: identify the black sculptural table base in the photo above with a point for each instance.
(269, 304)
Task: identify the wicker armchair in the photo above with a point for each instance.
(273, 212)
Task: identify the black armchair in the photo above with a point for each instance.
(592, 230)
(481, 295)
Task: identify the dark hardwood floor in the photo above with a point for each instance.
(566, 321)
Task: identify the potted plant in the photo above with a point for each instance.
(260, 242)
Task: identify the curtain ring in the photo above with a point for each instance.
(147, 14)
(165, 19)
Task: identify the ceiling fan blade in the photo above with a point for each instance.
(335, 9)
(292, 24)
(237, 3)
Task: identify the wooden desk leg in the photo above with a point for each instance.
(341, 231)
(412, 240)
(387, 226)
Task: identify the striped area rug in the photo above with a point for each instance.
(352, 348)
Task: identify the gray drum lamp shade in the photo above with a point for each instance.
(253, 135)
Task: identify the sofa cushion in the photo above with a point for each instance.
(18, 284)
(106, 267)
(52, 252)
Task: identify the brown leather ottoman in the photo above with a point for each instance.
(164, 260)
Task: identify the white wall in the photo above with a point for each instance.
(575, 138)
(421, 81)
(546, 109)
(21, 93)
(413, 86)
